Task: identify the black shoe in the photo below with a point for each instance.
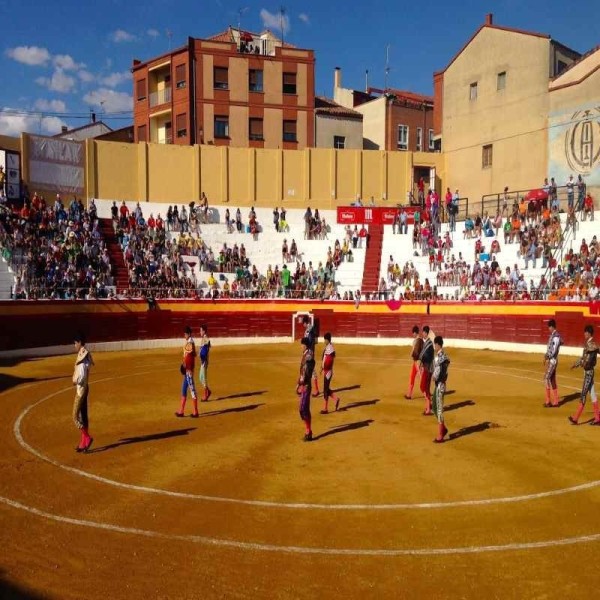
(573, 421)
(87, 448)
(308, 437)
(192, 416)
(324, 412)
(547, 405)
(179, 415)
(337, 404)
(79, 449)
(436, 441)
(427, 414)
(596, 423)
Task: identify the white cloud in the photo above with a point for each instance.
(12, 123)
(304, 18)
(115, 79)
(154, 33)
(50, 105)
(29, 55)
(59, 82)
(275, 21)
(86, 76)
(120, 35)
(109, 100)
(66, 62)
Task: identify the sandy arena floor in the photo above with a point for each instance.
(235, 505)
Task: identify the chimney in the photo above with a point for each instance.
(489, 19)
(93, 117)
(337, 78)
(64, 129)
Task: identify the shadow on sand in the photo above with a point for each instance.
(347, 388)
(346, 407)
(241, 395)
(342, 428)
(233, 409)
(458, 405)
(472, 429)
(151, 437)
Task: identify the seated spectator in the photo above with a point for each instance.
(495, 247)
(469, 228)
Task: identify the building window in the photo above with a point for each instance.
(289, 131)
(142, 135)
(431, 140)
(255, 129)
(141, 89)
(473, 91)
(289, 83)
(501, 82)
(180, 79)
(560, 66)
(255, 80)
(181, 125)
(339, 142)
(402, 137)
(419, 139)
(221, 78)
(221, 127)
(486, 156)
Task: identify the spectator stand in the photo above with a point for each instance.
(263, 249)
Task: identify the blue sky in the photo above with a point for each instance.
(60, 59)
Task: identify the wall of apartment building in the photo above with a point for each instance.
(574, 124)
(373, 123)
(413, 118)
(513, 119)
(247, 176)
(327, 127)
(239, 104)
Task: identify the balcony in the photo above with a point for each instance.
(258, 46)
(160, 97)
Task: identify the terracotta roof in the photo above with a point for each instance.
(406, 95)
(227, 36)
(326, 106)
(82, 128)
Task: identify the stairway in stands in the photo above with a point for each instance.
(370, 279)
(116, 255)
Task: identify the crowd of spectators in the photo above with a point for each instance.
(56, 250)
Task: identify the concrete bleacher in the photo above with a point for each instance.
(400, 247)
(265, 250)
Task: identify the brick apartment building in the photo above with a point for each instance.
(392, 119)
(236, 88)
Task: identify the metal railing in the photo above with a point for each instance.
(258, 46)
(491, 203)
(160, 97)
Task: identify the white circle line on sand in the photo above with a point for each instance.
(273, 504)
(200, 539)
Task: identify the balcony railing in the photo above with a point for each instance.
(258, 46)
(160, 97)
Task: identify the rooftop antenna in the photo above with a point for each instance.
(387, 66)
(241, 11)
(169, 34)
(281, 21)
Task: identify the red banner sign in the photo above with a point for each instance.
(370, 215)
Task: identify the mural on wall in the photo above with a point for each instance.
(574, 145)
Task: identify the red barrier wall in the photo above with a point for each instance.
(38, 324)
